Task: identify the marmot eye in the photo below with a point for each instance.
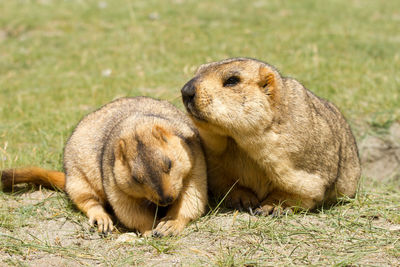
(167, 166)
(134, 178)
(231, 81)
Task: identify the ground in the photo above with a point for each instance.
(40, 228)
(60, 60)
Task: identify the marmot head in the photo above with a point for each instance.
(152, 163)
(233, 95)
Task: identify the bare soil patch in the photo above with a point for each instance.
(380, 155)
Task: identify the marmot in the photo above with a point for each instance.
(268, 140)
(133, 154)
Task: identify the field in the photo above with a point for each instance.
(61, 59)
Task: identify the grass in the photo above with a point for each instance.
(60, 60)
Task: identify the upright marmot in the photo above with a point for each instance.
(268, 140)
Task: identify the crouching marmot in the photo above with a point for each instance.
(268, 139)
(133, 154)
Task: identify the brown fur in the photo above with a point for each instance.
(32, 175)
(134, 154)
(281, 144)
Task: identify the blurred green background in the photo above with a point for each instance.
(60, 60)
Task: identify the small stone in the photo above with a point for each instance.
(106, 72)
(102, 4)
(394, 227)
(154, 16)
(127, 237)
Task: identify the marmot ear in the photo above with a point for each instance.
(204, 66)
(160, 133)
(201, 68)
(120, 151)
(268, 82)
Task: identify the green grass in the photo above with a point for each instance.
(55, 63)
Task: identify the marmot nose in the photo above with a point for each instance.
(188, 92)
(166, 201)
